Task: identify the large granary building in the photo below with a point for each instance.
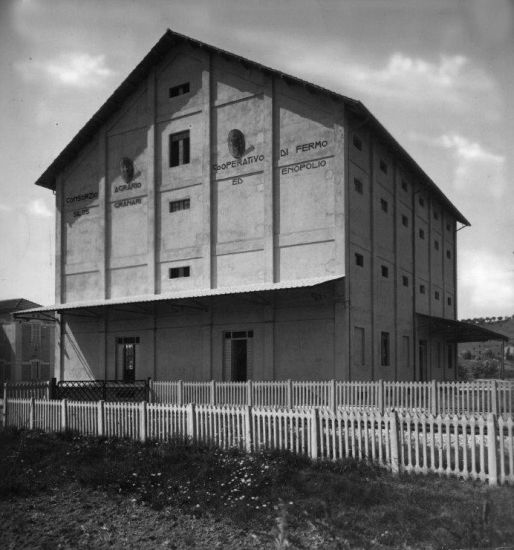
(220, 219)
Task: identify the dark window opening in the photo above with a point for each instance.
(405, 185)
(384, 205)
(384, 349)
(448, 254)
(359, 259)
(421, 201)
(179, 90)
(177, 272)
(422, 289)
(436, 295)
(179, 148)
(358, 186)
(182, 204)
(436, 245)
(357, 142)
(449, 301)
(383, 166)
(405, 280)
(421, 234)
(385, 271)
(405, 221)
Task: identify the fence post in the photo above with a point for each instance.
(314, 432)
(191, 421)
(289, 394)
(51, 389)
(249, 393)
(148, 388)
(381, 396)
(433, 397)
(332, 398)
(101, 418)
(393, 423)
(494, 397)
(142, 421)
(180, 393)
(213, 392)
(5, 405)
(31, 413)
(64, 415)
(248, 428)
(491, 449)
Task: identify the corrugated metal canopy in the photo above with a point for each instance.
(142, 70)
(458, 331)
(180, 295)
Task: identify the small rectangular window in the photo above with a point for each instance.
(179, 90)
(405, 280)
(405, 221)
(449, 301)
(359, 259)
(421, 234)
(384, 349)
(179, 148)
(448, 254)
(359, 188)
(357, 142)
(405, 185)
(385, 271)
(182, 204)
(436, 245)
(383, 166)
(384, 205)
(436, 215)
(436, 295)
(421, 201)
(422, 289)
(177, 272)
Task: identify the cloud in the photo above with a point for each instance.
(487, 285)
(76, 70)
(452, 81)
(38, 207)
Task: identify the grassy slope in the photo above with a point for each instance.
(114, 493)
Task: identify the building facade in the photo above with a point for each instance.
(26, 346)
(219, 219)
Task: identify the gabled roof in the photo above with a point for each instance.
(163, 46)
(16, 304)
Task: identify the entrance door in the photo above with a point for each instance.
(423, 366)
(126, 358)
(238, 355)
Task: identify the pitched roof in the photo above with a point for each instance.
(170, 39)
(16, 304)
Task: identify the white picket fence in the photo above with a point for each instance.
(488, 396)
(477, 447)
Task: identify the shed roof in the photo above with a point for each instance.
(458, 331)
(141, 71)
(180, 295)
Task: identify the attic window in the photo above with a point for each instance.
(405, 280)
(177, 272)
(357, 142)
(359, 259)
(181, 89)
(385, 271)
(421, 234)
(405, 220)
(436, 245)
(384, 205)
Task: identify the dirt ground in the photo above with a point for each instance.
(77, 517)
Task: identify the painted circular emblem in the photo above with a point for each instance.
(126, 169)
(236, 143)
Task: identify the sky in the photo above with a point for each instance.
(438, 74)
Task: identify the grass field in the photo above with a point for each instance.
(68, 491)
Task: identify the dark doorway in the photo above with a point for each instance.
(238, 355)
(423, 365)
(239, 360)
(126, 352)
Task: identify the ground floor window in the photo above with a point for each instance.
(238, 352)
(126, 353)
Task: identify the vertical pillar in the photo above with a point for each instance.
(153, 218)
(103, 200)
(59, 238)
(268, 178)
(64, 415)
(142, 420)
(208, 277)
(101, 418)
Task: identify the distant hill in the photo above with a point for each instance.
(503, 325)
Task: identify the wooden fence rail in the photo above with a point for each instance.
(494, 396)
(477, 447)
